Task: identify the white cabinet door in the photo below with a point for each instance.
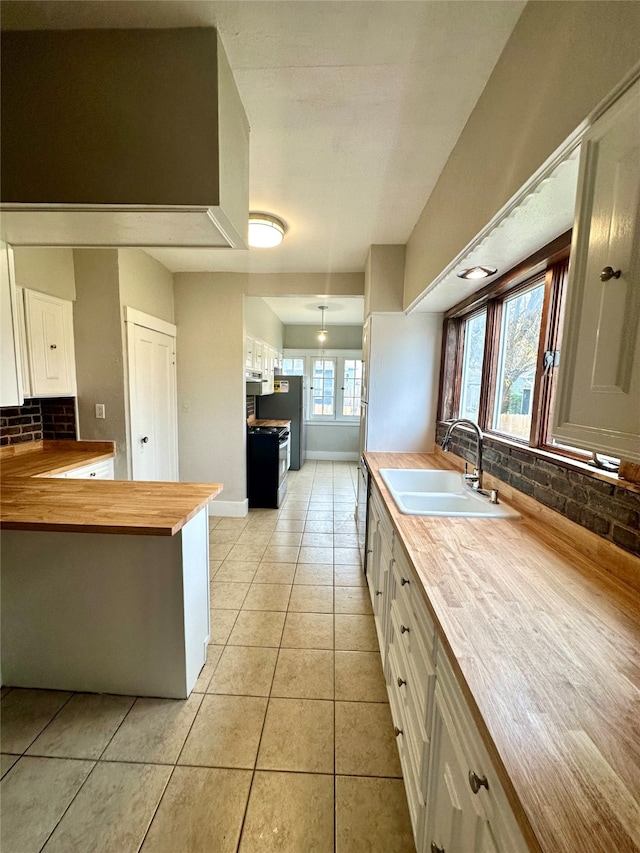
(152, 394)
(49, 324)
(249, 344)
(11, 379)
(598, 405)
(454, 822)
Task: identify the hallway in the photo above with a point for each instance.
(286, 742)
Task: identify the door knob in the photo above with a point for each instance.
(145, 439)
(609, 273)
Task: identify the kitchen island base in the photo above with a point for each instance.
(106, 613)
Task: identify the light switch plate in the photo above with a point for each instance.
(100, 410)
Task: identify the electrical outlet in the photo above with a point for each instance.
(100, 410)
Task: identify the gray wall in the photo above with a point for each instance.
(47, 270)
(261, 322)
(553, 72)
(338, 337)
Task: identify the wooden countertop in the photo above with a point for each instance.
(546, 646)
(32, 499)
(269, 422)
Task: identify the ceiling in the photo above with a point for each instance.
(354, 108)
(341, 310)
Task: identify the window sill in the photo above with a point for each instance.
(333, 422)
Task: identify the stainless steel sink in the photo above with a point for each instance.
(439, 493)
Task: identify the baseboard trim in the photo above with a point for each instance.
(333, 456)
(229, 509)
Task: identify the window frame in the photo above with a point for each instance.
(548, 266)
(339, 357)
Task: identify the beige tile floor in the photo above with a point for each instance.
(286, 743)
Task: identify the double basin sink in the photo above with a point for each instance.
(418, 491)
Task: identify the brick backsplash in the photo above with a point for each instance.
(610, 510)
(53, 418)
(251, 406)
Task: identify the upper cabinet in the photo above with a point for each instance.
(49, 346)
(11, 378)
(122, 138)
(598, 404)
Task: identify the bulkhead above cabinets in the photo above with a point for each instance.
(126, 137)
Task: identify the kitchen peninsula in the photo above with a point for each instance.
(105, 584)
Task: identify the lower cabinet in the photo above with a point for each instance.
(98, 470)
(456, 802)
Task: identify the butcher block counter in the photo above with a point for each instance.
(107, 611)
(34, 498)
(269, 422)
(545, 646)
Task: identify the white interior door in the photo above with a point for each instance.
(152, 398)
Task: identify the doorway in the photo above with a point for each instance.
(153, 429)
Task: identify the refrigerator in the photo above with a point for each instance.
(287, 403)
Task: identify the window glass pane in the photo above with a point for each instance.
(521, 317)
(323, 388)
(293, 366)
(352, 387)
(474, 333)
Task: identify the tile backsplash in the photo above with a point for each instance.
(51, 418)
(610, 510)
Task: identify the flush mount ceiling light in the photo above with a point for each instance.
(477, 272)
(322, 333)
(265, 231)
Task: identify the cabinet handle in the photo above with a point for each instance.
(477, 782)
(369, 550)
(405, 581)
(404, 629)
(436, 849)
(378, 592)
(145, 439)
(397, 731)
(609, 273)
(401, 681)
(92, 474)
(52, 346)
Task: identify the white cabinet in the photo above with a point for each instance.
(249, 343)
(455, 798)
(11, 393)
(49, 345)
(97, 470)
(598, 405)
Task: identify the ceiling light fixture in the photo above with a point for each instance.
(265, 231)
(322, 333)
(477, 272)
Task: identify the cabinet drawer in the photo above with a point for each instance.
(99, 471)
(417, 662)
(492, 799)
(411, 746)
(407, 589)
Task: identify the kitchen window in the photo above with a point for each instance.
(501, 350)
(334, 383)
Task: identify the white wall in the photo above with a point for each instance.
(145, 284)
(404, 369)
(47, 270)
(261, 322)
(562, 59)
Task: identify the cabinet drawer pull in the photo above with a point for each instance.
(92, 474)
(378, 592)
(477, 782)
(404, 581)
(436, 849)
(397, 731)
(401, 681)
(609, 273)
(53, 346)
(404, 629)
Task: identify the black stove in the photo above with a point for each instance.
(267, 448)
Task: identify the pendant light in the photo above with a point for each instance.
(322, 332)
